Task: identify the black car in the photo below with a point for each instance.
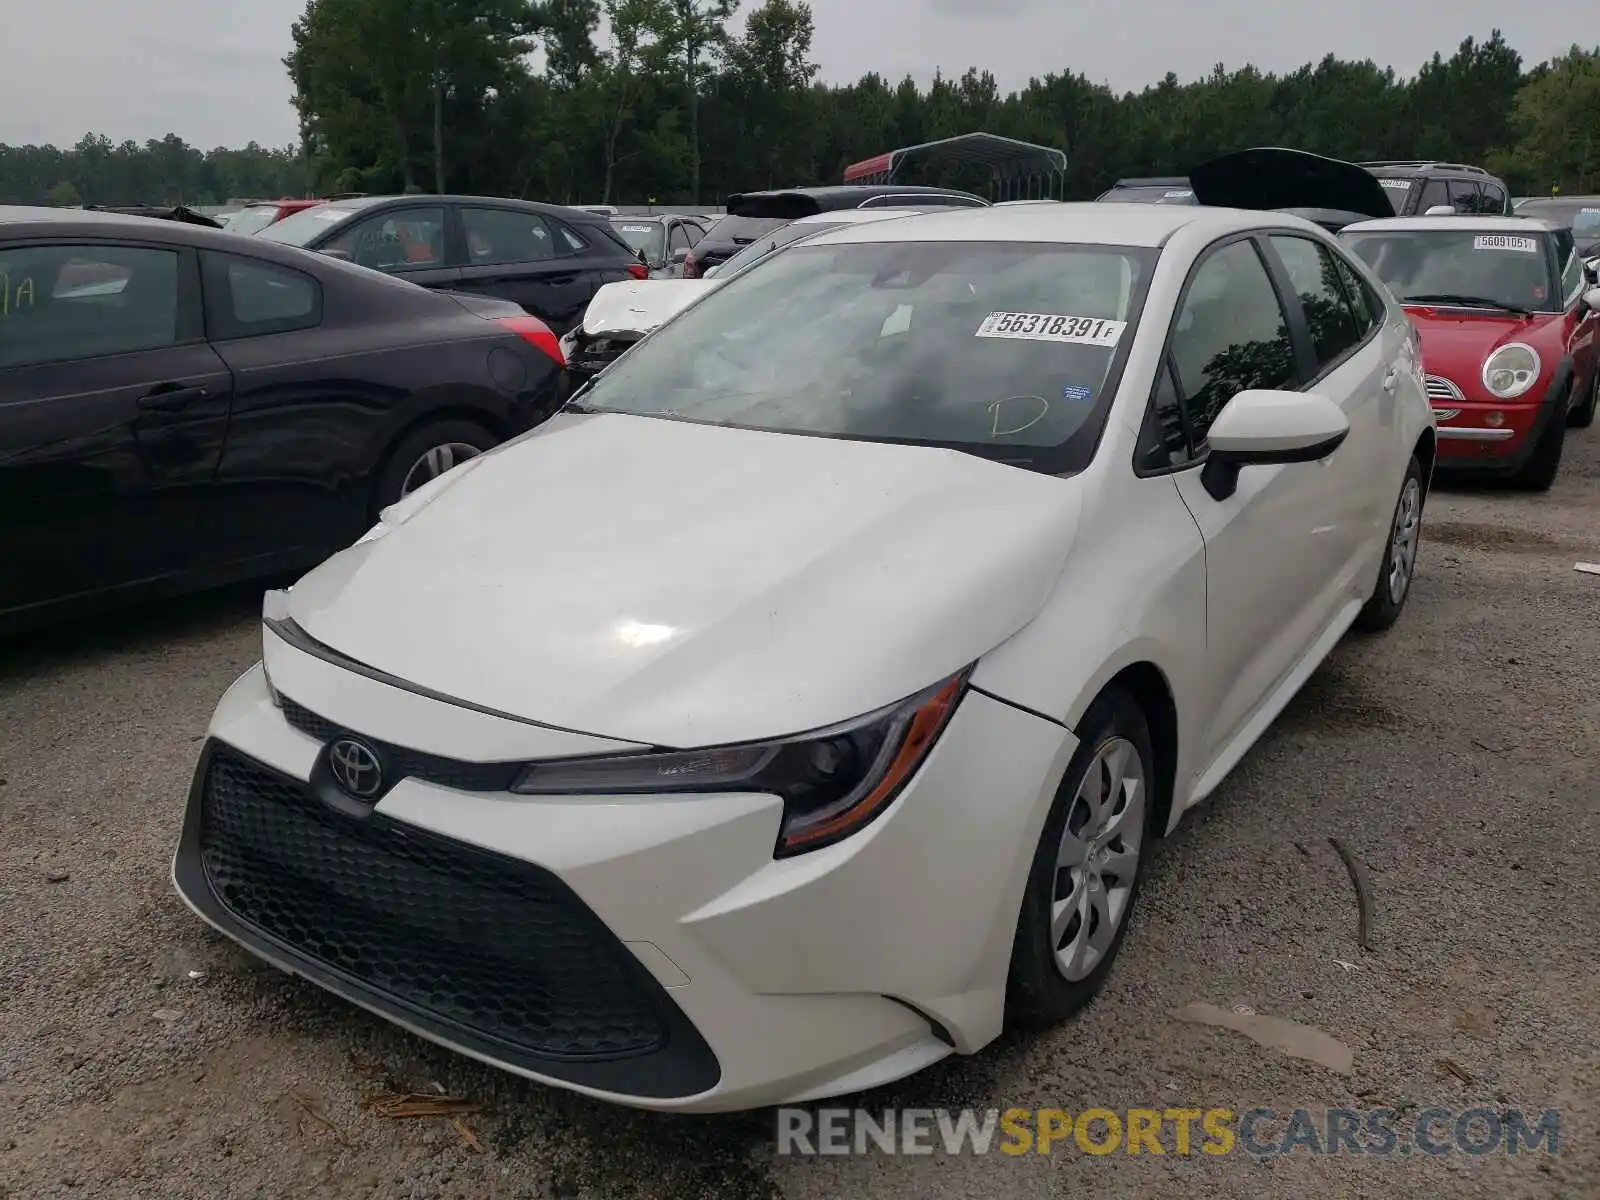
(1416, 185)
(1581, 214)
(753, 214)
(547, 258)
(662, 241)
(180, 406)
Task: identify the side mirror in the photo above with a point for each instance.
(1591, 299)
(1591, 270)
(1441, 210)
(1264, 428)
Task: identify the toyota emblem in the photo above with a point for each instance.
(356, 768)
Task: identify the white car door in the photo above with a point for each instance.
(1273, 545)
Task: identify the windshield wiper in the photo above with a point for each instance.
(1468, 302)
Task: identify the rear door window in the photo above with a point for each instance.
(1311, 269)
(500, 235)
(1369, 309)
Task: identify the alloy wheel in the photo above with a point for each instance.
(1097, 861)
(435, 463)
(1403, 542)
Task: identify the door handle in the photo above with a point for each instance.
(559, 280)
(168, 397)
(1391, 378)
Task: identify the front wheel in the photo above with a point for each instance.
(1399, 565)
(1088, 866)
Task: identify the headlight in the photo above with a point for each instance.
(1511, 370)
(832, 782)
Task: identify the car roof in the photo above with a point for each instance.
(1400, 168)
(1084, 221)
(1474, 224)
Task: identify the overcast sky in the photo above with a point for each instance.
(211, 70)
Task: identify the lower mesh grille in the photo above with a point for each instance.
(498, 948)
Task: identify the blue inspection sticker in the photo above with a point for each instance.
(1076, 391)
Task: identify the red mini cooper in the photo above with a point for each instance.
(1508, 315)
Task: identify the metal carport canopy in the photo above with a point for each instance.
(1015, 167)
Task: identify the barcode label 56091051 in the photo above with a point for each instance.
(1052, 327)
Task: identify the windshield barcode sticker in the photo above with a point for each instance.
(1499, 241)
(1397, 185)
(1052, 327)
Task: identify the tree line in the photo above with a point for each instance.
(641, 101)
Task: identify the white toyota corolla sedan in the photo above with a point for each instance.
(802, 703)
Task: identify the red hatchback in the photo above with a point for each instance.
(1507, 315)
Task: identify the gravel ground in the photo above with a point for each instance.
(1456, 757)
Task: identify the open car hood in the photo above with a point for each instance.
(1270, 178)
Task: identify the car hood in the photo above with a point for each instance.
(1270, 177)
(1455, 342)
(686, 585)
(639, 305)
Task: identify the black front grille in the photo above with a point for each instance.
(400, 763)
(487, 946)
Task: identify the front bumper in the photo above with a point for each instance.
(1468, 442)
(645, 950)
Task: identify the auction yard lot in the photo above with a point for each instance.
(1457, 758)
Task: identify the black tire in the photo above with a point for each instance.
(1583, 416)
(410, 450)
(1382, 609)
(1539, 472)
(1037, 992)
